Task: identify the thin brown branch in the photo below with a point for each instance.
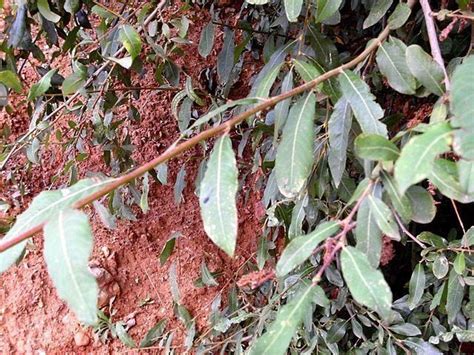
(433, 38)
(407, 232)
(176, 150)
(439, 15)
(458, 216)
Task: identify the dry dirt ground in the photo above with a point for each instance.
(34, 320)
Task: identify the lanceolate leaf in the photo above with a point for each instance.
(326, 8)
(301, 248)
(368, 234)
(417, 156)
(293, 9)
(425, 69)
(444, 176)
(391, 59)
(225, 59)
(10, 79)
(67, 247)
(384, 217)
(367, 285)
(281, 109)
(416, 286)
(400, 202)
(41, 86)
(207, 40)
(217, 196)
(375, 147)
(43, 207)
(306, 70)
(367, 111)
(278, 337)
(18, 28)
(377, 11)
(455, 295)
(339, 126)
(131, 40)
(294, 157)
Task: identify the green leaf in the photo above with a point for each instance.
(462, 94)
(278, 336)
(294, 156)
(416, 286)
(225, 59)
(455, 296)
(406, 329)
(336, 332)
(391, 60)
(206, 41)
(339, 126)
(124, 62)
(440, 266)
(384, 217)
(425, 69)
(326, 9)
(67, 247)
(293, 9)
(168, 248)
(375, 147)
(73, 83)
(72, 6)
(422, 205)
(466, 175)
(377, 11)
(123, 336)
(41, 86)
(217, 196)
(43, 207)
(444, 176)
(305, 70)
(366, 283)
(10, 79)
(401, 203)
(459, 263)
(43, 8)
(282, 108)
(130, 40)
(418, 155)
(366, 110)
(18, 28)
(154, 334)
(399, 16)
(300, 248)
(368, 235)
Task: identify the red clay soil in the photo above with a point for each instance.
(32, 317)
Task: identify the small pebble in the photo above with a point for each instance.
(81, 339)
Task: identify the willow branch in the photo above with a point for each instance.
(176, 150)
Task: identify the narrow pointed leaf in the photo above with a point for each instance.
(368, 234)
(367, 112)
(418, 155)
(41, 86)
(425, 69)
(278, 337)
(67, 247)
(217, 196)
(301, 247)
(339, 126)
(375, 147)
(282, 108)
(130, 40)
(367, 285)
(18, 28)
(225, 59)
(466, 175)
(294, 157)
(391, 60)
(384, 217)
(10, 79)
(43, 207)
(206, 41)
(293, 9)
(416, 286)
(455, 295)
(401, 203)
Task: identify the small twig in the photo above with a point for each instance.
(458, 216)
(407, 232)
(433, 38)
(452, 15)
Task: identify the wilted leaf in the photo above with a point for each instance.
(425, 69)
(367, 285)
(368, 112)
(416, 286)
(339, 126)
(179, 185)
(391, 60)
(368, 235)
(217, 196)
(278, 336)
(67, 248)
(377, 11)
(294, 157)
(418, 155)
(300, 248)
(130, 40)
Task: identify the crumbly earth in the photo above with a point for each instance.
(32, 317)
